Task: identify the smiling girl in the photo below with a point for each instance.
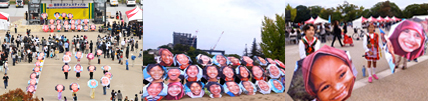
(371, 45)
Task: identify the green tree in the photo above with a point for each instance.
(148, 58)
(315, 11)
(302, 14)
(386, 9)
(292, 10)
(254, 50)
(273, 37)
(415, 9)
(233, 55)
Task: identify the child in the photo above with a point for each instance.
(371, 45)
(51, 53)
(309, 43)
(6, 67)
(127, 64)
(140, 55)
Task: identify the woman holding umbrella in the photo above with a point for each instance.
(78, 69)
(65, 69)
(91, 70)
(93, 84)
(90, 57)
(59, 88)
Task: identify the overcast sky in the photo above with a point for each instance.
(241, 21)
(366, 3)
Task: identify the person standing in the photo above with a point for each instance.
(26, 15)
(91, 46)
(308, 44)
(371, 46)
(127, 64)
(74, 97)
(5, 80)
(136, 45)
(337, 34)
(113, 95)
(16, 26)
(119, 96)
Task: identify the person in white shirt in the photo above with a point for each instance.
(308, 44)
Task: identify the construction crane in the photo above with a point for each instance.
(217, 41)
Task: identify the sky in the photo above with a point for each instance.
(365, 3)
(241, 21)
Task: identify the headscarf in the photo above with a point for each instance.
(179, 96)
(407, 24)
(310, 59)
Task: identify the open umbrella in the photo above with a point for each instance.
(85, 21)
(99, 52)
(92, 83)
(105, 81)
(74, 87)
(79, 55)
(311, 69)
(58, 27)
(70, 16)
(106, 68)
(66, 59)
(92, 68)
(409, 45)
(93, 27)
(90, 56)
(52, 28)
(45, 28)
(78, 68)
(51, 21)
(68, 53)
(58, 22)
(59, 88)
(65, 68)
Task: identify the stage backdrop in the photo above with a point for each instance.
(79, 10)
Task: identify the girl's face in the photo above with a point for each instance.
(33, 75)
(228, 72)
(409, 40)
(233, 87)
(93, 83)
(263, 85)
(59, 88)
(154, 89)
(310, 32)
(195, 88)
(182, 59)
(215, 89)
(31, 88)
(262, 60)
(277, 84)
(334, 83)
(74, 86)
(66, 68)
(108, 75)
(248, 60)
(91, 68)
(106, 68)
(105, 80)
(173, 74)
(156, 72)
(174, 90)
(257, 72)
(249, 87)
(212, 71)
(234, 60)
(205, 59)
(36, 69)
(78, 67)
(274, 70)
(371, 28)
(192, 71)
(243, 72)
(33, 81)
(166, 57)
(221, 60)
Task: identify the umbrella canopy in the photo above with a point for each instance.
(4, 16)
(134, 14)
(395, 19)
(320, 20)
(357, 22)
(311, 20)
(92, 83)
(380, 19)
(387, 18)
(371, 19)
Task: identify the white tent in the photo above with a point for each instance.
(421, 16)
(4, 24)
(320, 20)
(357, 23)
(135, 14)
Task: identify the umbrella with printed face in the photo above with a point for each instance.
(66, 59)
(326, 69)
(74, 87)
(105, 81)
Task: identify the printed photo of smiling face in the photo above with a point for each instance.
(334, 83)
(154, 89)
(263, 62)
(34, 75)
(65, 68)
(105, 81)
(243, 73)
(215, 89)
(235, 61)
(264, 87)
(221, 60)
(175, 91)
(279, 63)
(37, 69)
(182, 60)
(233, 88)
(156, 72)
(174, 75)
(74, 87)
(258, 73)
(166, 57)
(91, 68)
(249, 88)
(192, 73)
(32, 81)
(247, 61)
(271, 61)
(108, 75)
(204, 60)
(276, 86)
(59, 88)
(31, 88)
(408, 39)
(106, 68)
(274, 71)
(227, 73)
(78, 68)
(195, 89)
(211, 73)
(93, 83)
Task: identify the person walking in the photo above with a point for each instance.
(91, 46)
(5, 80)
(113, 95)
(16, 26)
(337, 34)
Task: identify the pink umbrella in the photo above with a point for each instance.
(93, 27)
(85, 21)
(90, 56)
(86, 27)
(52, 28)
(73, 26)
(45, 28)
(99, 52)
(58, 27)
(66, 59)
(38, 63)
(51, 21)
(79, 27)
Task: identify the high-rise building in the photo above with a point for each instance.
(184, 39)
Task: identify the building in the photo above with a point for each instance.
(184, 39)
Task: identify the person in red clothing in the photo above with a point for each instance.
(371, 45)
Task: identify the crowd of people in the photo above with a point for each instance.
(219, 75)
